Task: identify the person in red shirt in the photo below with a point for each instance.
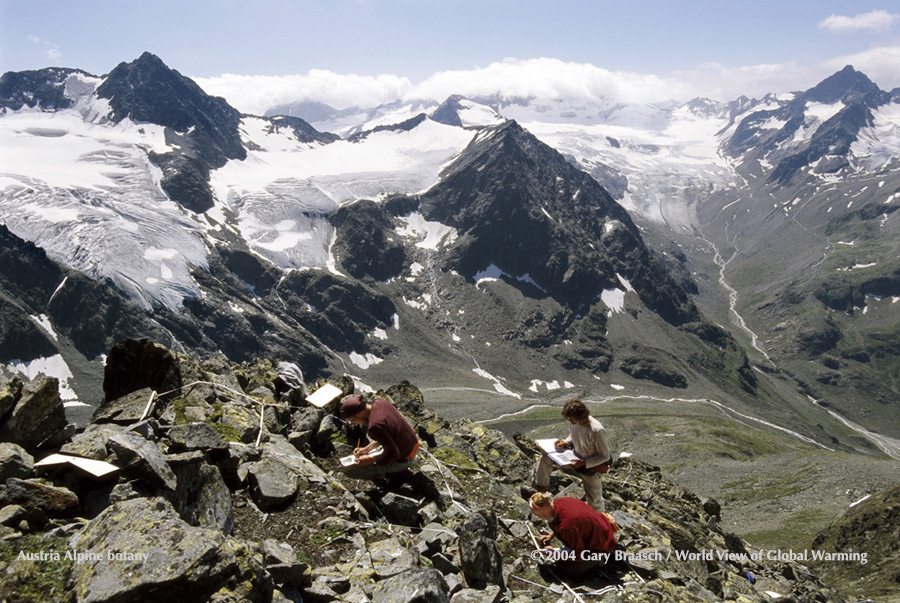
(586, 533)
(387, 429)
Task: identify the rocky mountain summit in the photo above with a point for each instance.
(213, 481)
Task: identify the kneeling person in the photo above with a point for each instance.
(388, 429)
(584, 531)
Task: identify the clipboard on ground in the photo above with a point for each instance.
(324, 396)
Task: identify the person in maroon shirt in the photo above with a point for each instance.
(388, 429)
(585, 532)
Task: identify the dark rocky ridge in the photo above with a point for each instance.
(205, 127)
(43, 88)
(194, 515)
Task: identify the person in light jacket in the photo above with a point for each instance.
(587, 438)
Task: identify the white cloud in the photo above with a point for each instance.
(549, 79)
(543, 78)
(52, 54)
(256, 93)
(876, 20)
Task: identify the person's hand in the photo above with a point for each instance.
(364, 450)
(364, 460)
(578, 463)
(560, 445)
(545, 539)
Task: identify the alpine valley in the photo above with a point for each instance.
(497, 252)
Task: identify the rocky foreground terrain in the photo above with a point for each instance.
(227, 488)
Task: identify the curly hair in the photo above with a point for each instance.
(575, 409)
(541, 500)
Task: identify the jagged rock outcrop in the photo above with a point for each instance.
(187, 515)
(42, 88)
(32, 413)
(146, 550)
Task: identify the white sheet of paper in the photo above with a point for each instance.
(564, 457)
(92, 466)
(324, 395)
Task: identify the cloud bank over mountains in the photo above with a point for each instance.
(546, 78)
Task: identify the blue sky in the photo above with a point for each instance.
(641, 50)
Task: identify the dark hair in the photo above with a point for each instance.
(575, 409)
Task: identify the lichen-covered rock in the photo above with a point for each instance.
(237, 423)
(126, 409)
(201, 496)
(91, 443)
(38, 414)
(196, 436)
(491, 594)
(10, 391)
(489, 448)
(37, 494)
(391, 557)
(142, 458)
(142, 550)
(14, 462)
(478, 549)
(416, 586)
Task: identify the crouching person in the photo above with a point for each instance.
(589, 537)
(387, 429)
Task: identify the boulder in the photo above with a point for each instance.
(142, 458)
(307, 419)
(91, 443)
(490, 594)
(138, 363)
(145, 551)
(38, 414)
(37, 494)
(196, 436)
(10, 392)
(281, 562)
(489, 448)
(400, 509)
(126, 409)
(390, 557)
(479, 552)
(13, 515)
(272, 482)
(415, 586)
(239, 423)
(201, 496)
(14, 462)
(279, 447)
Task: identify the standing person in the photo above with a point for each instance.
(587, 438)
(388, 429)
(589, 536)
